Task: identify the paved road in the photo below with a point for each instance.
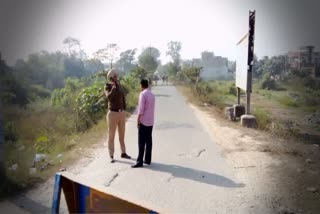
(187, 174)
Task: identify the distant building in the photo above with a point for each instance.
(305, 59)
(213, 67)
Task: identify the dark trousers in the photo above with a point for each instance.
(145, 143)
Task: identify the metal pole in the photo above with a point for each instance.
(238, 93)
(2, 154)
(252, 15)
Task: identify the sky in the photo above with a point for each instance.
(201, 25)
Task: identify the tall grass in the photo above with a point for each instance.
(43, 128)
(263, 118)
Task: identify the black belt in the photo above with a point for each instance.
(116, 110)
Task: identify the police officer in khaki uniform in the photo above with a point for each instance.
(116, 116)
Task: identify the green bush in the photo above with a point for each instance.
(288, 101)
(66, 96)
(10, 132)
(303, 73)
(233, 90)
(263, 117)
(311, 83)
(203, 89)
(268, 83)
(90, 105)
(131, 86)
(39, 91)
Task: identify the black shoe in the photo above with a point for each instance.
(149, 163)
(124, 155)
(111, 159)
(137, 165)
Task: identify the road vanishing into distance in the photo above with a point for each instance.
(188, 173)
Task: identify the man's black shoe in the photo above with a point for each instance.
(137, 165)
(124, 155)
(111, 159)
(149, 163)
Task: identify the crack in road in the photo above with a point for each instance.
(200, 152)
(112, 179)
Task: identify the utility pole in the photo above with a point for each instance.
(252, 18)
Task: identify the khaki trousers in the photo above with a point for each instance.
(116, 120)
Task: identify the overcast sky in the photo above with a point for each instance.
(215, 25)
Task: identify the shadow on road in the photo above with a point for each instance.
(30, 205)
(195, 175)
(192, 174)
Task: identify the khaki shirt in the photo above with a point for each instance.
(116, 98)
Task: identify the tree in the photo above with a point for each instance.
(72, 43)
(274, 65)
(74, 67)
(12, 89)
(148, 59)
(173, 51)
(174, 48)
(139, 72)
(109, 53)
(277, 67)
(125, 63)
(93, 66)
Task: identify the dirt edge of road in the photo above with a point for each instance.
(281, 175)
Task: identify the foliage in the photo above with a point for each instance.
(50, 69)
(12, 89)
(170, 69)
(10, 132)
(268, 83)
(233, 90)
(190, 75)
(90, 105)
(275, 66)
(93, 66)
(125, 63)
(288, 101)
(132, 88)
(311, 83)
(303, 73)
(71, 43)
(203, 88)
(263, 117)
(36, 91)
(174, 48)
(139, 73)
(42, 144)
(108, 53)
(65, 96)
(74, 67)
(148, 59)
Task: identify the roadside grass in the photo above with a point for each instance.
(263, 118)
(41, 128)
(275, 111)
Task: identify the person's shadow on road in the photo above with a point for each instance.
(193, 174)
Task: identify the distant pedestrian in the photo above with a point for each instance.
(116, 116)
(156, 78)
(145, 124)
